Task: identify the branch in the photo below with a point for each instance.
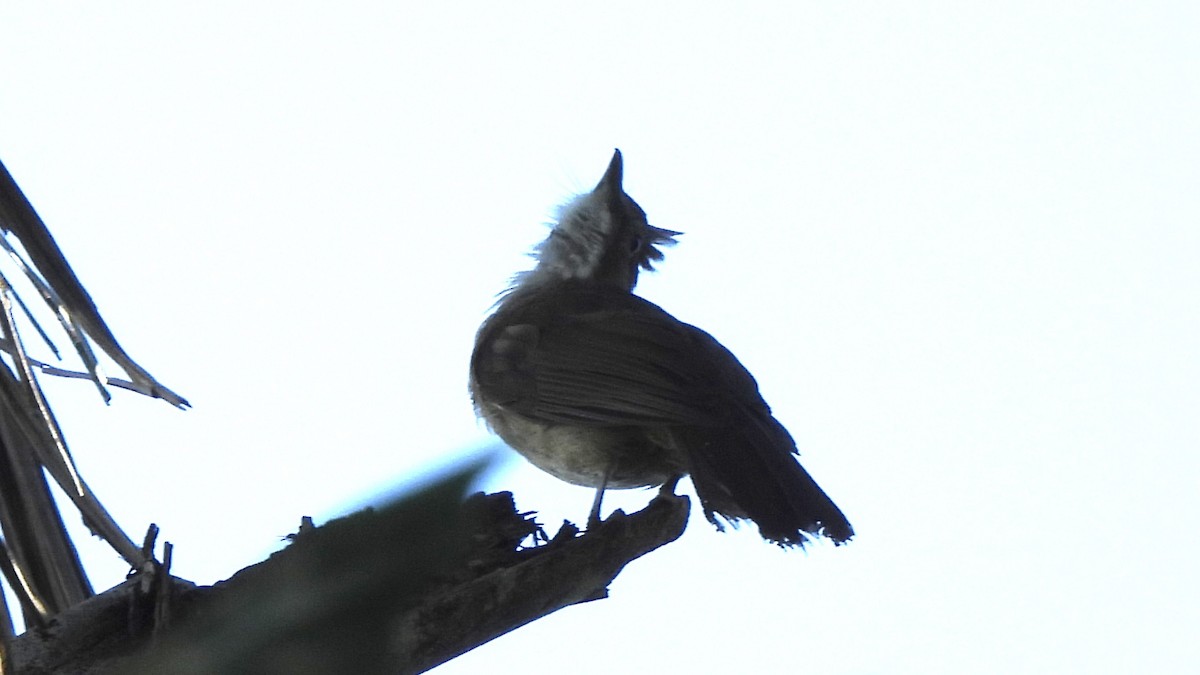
(567, 571)
(400, 590)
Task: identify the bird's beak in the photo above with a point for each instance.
(611, 181)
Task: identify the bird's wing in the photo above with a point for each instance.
(623, 361)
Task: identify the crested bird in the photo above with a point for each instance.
(604, 389)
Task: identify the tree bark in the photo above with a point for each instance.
(398, 590)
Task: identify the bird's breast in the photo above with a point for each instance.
(582, 455)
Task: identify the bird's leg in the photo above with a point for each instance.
(594, 516)
(668, 488)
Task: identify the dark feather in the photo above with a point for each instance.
(598, 357)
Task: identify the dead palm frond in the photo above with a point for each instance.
(37, 556)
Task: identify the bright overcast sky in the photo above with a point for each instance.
(957, 243)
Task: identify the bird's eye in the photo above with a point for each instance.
(635, 244)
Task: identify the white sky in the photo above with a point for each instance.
(956, 243)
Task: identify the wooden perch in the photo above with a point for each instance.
(399, 590)
(568, 570)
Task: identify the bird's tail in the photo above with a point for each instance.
(750, 472)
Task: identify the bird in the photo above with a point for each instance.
(604, 389)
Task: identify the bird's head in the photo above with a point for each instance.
(602, 236)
